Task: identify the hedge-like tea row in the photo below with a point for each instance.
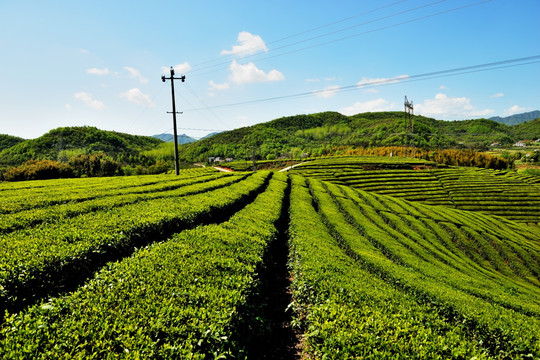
(472, 272)
(34, 261)
(179, 299)
(491, 192)
(42, 193)
(107, 200)
(346, 312)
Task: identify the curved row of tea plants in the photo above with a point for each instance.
(473, 274)
(179, 299)
(346, 312)
(491, 192)
(107, 200)
(54, 192)
(36, 261)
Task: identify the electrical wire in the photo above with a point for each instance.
(156, 93)
(206, 107)
(230, 56)
(430, 75)
(348, 36)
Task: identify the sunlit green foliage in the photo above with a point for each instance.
(376, 278)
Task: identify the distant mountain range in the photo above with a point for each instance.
(182, 139)
(517, 118)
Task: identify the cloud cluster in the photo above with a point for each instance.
(87, 99)
(515, 110)
(367, 106)
(328, 92)
(178, 68)
(134, 73)
(249, 44)
(96, 71)
(214, 86)
(136, 96)
(450, 107)
(249, 73)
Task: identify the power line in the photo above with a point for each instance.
(430, 75)
(206, 107)
(302, 33)
(146, 106)
(197, 71)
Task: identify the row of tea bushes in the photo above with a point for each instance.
(178, 299)
(36, 261)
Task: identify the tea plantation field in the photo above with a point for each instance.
(336, 259)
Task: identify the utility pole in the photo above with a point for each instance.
(409, 122)
(172, 78)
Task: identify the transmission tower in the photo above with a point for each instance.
(409, 123)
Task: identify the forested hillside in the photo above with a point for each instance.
(323, 133)
(7, 141)
(93, 152)
(65, 142)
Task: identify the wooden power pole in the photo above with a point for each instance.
(172, 78)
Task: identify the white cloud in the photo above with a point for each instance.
(249, 73)
(178, 68)
(380, 81)
(368, 106)
(371, 91)
(323, 79)
(442, 87)
(328, 92)
(450, 107)
(248, 44)
(67, 106)
(515, 110)
(87, 99)
(96, 71)
(497, 95)
(84, 51)
(134, 73)
(481, 113)
(214, 86)
(138, 97)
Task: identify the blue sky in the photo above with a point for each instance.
(99, 63)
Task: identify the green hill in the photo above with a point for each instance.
(7, 141)
(529, 130)
(65, 142)
(322, 133)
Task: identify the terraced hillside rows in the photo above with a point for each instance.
(193, 267)
(491, 192)
(379, 277)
